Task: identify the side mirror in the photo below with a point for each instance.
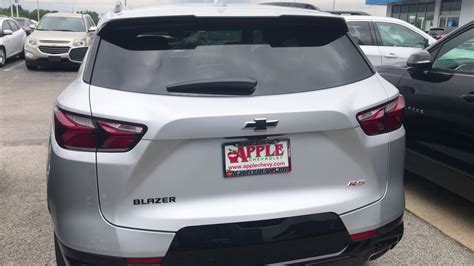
(419, 60)
(77, 55)
(92, 29)
(7, 32)
(33, 26)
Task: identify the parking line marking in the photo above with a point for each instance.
(12, 67)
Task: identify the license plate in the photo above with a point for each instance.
(257, 157)
(54, 59)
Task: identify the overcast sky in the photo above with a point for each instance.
(103, 5)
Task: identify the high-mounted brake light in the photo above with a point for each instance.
(384, 118)
(84, 133)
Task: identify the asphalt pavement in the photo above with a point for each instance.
(26, 237)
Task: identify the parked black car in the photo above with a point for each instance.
(438, 85)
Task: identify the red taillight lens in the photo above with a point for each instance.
(363, 235)
(79, 132)
(144, 260)
(383, 119)
(74, 131)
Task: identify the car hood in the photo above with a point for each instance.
(57, 35)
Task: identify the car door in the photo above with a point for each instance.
(397, 42)
(440, 104)
(362, 33)
(17, 37)
(8, 40)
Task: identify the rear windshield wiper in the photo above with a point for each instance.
(222, 86)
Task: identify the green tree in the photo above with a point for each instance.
(25, 13)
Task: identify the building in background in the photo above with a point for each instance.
(426, 14)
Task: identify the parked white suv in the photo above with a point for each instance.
(12, 39)
(387, 40)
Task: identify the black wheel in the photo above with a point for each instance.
(59, 255)
(30, 66)
(3, 57)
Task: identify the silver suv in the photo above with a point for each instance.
(54, 36)
(225, 135)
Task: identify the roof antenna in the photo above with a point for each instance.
(219, 3)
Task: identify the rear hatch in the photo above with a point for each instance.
(247, 119)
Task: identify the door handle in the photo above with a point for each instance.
(468, 97)
(391, 55)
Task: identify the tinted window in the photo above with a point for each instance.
(62, 24)
(360, 32)
(89, 22)
(13, 25)
(399, 36)
(457, 54)
(281, 56)
(21, 21)
(6, 26)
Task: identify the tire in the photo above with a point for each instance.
(3, 57)
(30, 66)
(22, 55)
(57, 251)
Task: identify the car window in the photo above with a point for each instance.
(91, 22)
(88, 23)
(281, 56)
(13, 25)
(457, 54)
(360, 32)
(21, 21)
(6, 26)
(399, 36)
(62, 24)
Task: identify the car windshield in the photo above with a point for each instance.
(280, 55)
(62, 24)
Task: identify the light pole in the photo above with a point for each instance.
(333, 5)
(38, 9)
(11, 8)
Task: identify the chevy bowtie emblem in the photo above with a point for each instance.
(260, 124)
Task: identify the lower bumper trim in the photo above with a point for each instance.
(321, 238)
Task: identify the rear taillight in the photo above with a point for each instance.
(84, 133)
(384, 118)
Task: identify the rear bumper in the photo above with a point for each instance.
(312, 239)
(80, 225)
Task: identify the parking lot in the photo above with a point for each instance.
(438, 225)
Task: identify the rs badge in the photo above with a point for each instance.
(354, 183)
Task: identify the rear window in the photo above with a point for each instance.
(278, 55)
